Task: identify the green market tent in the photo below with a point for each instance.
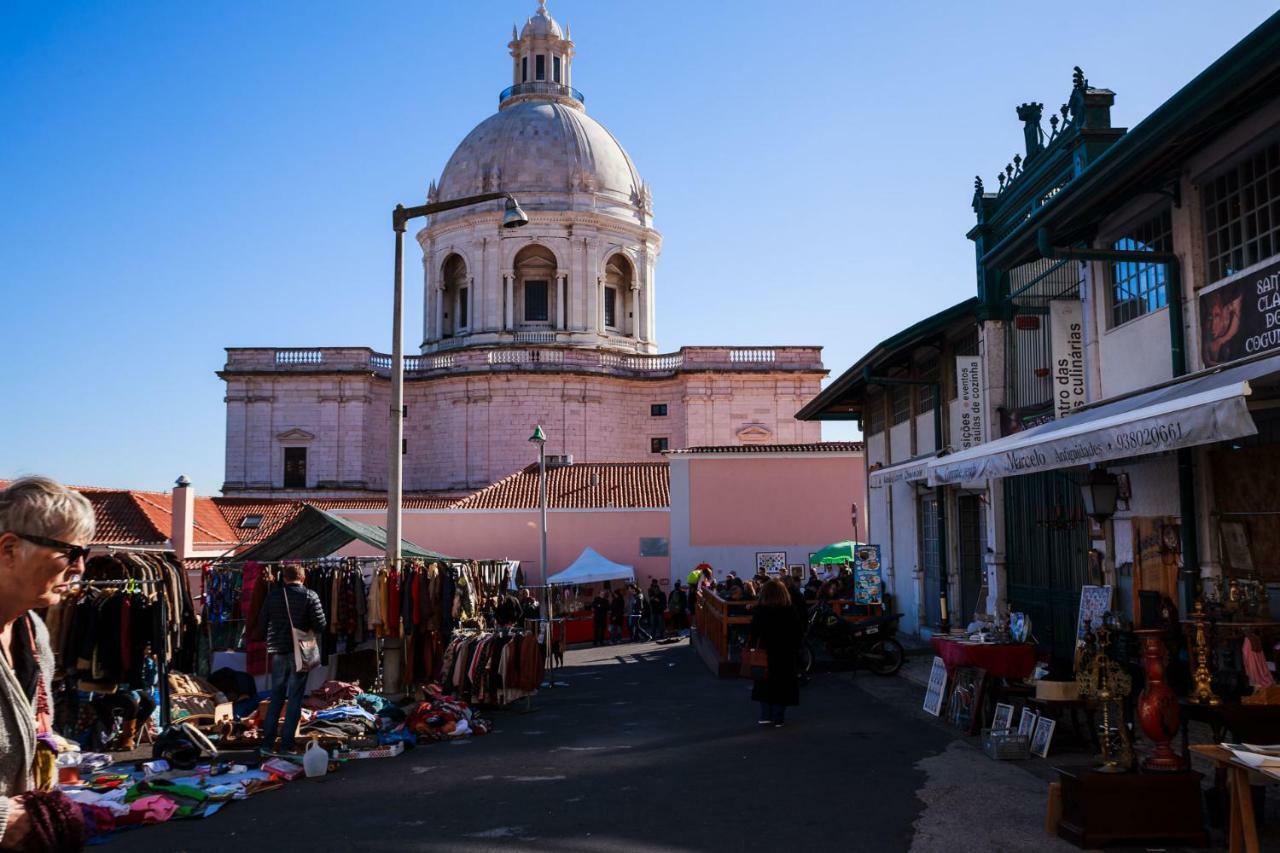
(836, 552)
(314, 533)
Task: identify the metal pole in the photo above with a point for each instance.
(542, 502)
(395, 440)
(944, 610)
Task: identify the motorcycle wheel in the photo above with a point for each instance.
(806, 659)
(885, 657)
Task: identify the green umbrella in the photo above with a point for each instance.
(836, 552)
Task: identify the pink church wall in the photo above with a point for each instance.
(793, 501)
(513, 535)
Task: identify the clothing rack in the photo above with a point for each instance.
(162, 618)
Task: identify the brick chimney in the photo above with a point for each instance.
(184, 518)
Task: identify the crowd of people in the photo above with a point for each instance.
(647, 615)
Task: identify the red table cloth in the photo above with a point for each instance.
(1000, 660)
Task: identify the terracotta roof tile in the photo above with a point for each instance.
(121, 521)
(277, 512)
(814, 447)
(586, 485)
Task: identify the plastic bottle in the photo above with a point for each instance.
(315, 761)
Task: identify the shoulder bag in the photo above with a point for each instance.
(755, 663)
(306, 649)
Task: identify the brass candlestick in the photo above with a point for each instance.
(1202, 692)
(1104, 679)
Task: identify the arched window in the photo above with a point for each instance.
(535, 298)
(618, 278)
(455, 297)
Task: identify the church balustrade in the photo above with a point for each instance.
(479, 359)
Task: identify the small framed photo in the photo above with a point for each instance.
(1043, 735)
(936, 691)
(1003, 719)
(771, 562)
(796, 571)
(1027, 722)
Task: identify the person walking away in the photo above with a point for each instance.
(289, 605)
(657, 610)
(776, 628)
(638, 602)
(617, 615)
(676, 604)
(600, 617)
(43, 530)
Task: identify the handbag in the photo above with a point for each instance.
(755, 663)
(306, 648)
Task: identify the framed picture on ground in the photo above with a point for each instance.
(937, 688)
(1043, 735)
(1003, 719)
(965, 709)
(771, 562)
(1027, 722)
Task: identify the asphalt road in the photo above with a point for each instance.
(643, 751)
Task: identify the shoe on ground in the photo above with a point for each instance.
(764, 722)
(777, 725)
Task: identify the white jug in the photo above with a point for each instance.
(315, 761)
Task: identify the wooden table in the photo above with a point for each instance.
(1244, 825)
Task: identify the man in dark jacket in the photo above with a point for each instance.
(657, 610)
(600, 616)
(289, 605)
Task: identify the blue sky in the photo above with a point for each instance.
(181, 177)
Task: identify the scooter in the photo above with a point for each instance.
(868, 642)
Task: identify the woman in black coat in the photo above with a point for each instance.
(776, 628)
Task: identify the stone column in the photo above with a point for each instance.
(636, 320)
(564, 302)
(508, 289)
(440, 296)
(600, 328)
(993, 347)
(428, 332)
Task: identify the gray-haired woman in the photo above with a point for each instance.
(44, 532)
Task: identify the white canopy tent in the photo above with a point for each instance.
(592, 567)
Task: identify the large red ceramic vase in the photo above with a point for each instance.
(1158, 705)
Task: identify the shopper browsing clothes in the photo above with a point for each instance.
(600, 617)
(639, 605)
(776, 628)
(288, 606)
(657, 609)
(617, 615)
(44, 528)
(133, 702)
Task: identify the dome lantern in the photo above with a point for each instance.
(541, 63)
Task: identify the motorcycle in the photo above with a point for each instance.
(868, 642)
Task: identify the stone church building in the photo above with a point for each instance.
(553, 324)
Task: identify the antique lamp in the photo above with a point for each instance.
(1100, 491)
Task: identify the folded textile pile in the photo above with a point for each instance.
(331, 693)
(441, 717)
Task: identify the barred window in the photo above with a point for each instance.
(873, 420)
(1138, 288)
(901, 395)
(1242, 214)
(927, 372)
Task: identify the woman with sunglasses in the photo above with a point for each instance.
(44, 531)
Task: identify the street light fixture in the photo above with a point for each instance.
(512, 217)
(1100, 491)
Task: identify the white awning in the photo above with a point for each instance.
(593, 567)
(1200, 409)
(912, 471)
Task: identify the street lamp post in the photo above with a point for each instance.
(540, 438)
(513, 217)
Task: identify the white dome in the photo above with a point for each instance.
(541, 147)
(541, 24)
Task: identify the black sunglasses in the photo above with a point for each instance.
(74, 553)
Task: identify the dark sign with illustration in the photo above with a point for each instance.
(1241, 318)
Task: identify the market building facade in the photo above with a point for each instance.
(554, 323)
(1125, 301)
